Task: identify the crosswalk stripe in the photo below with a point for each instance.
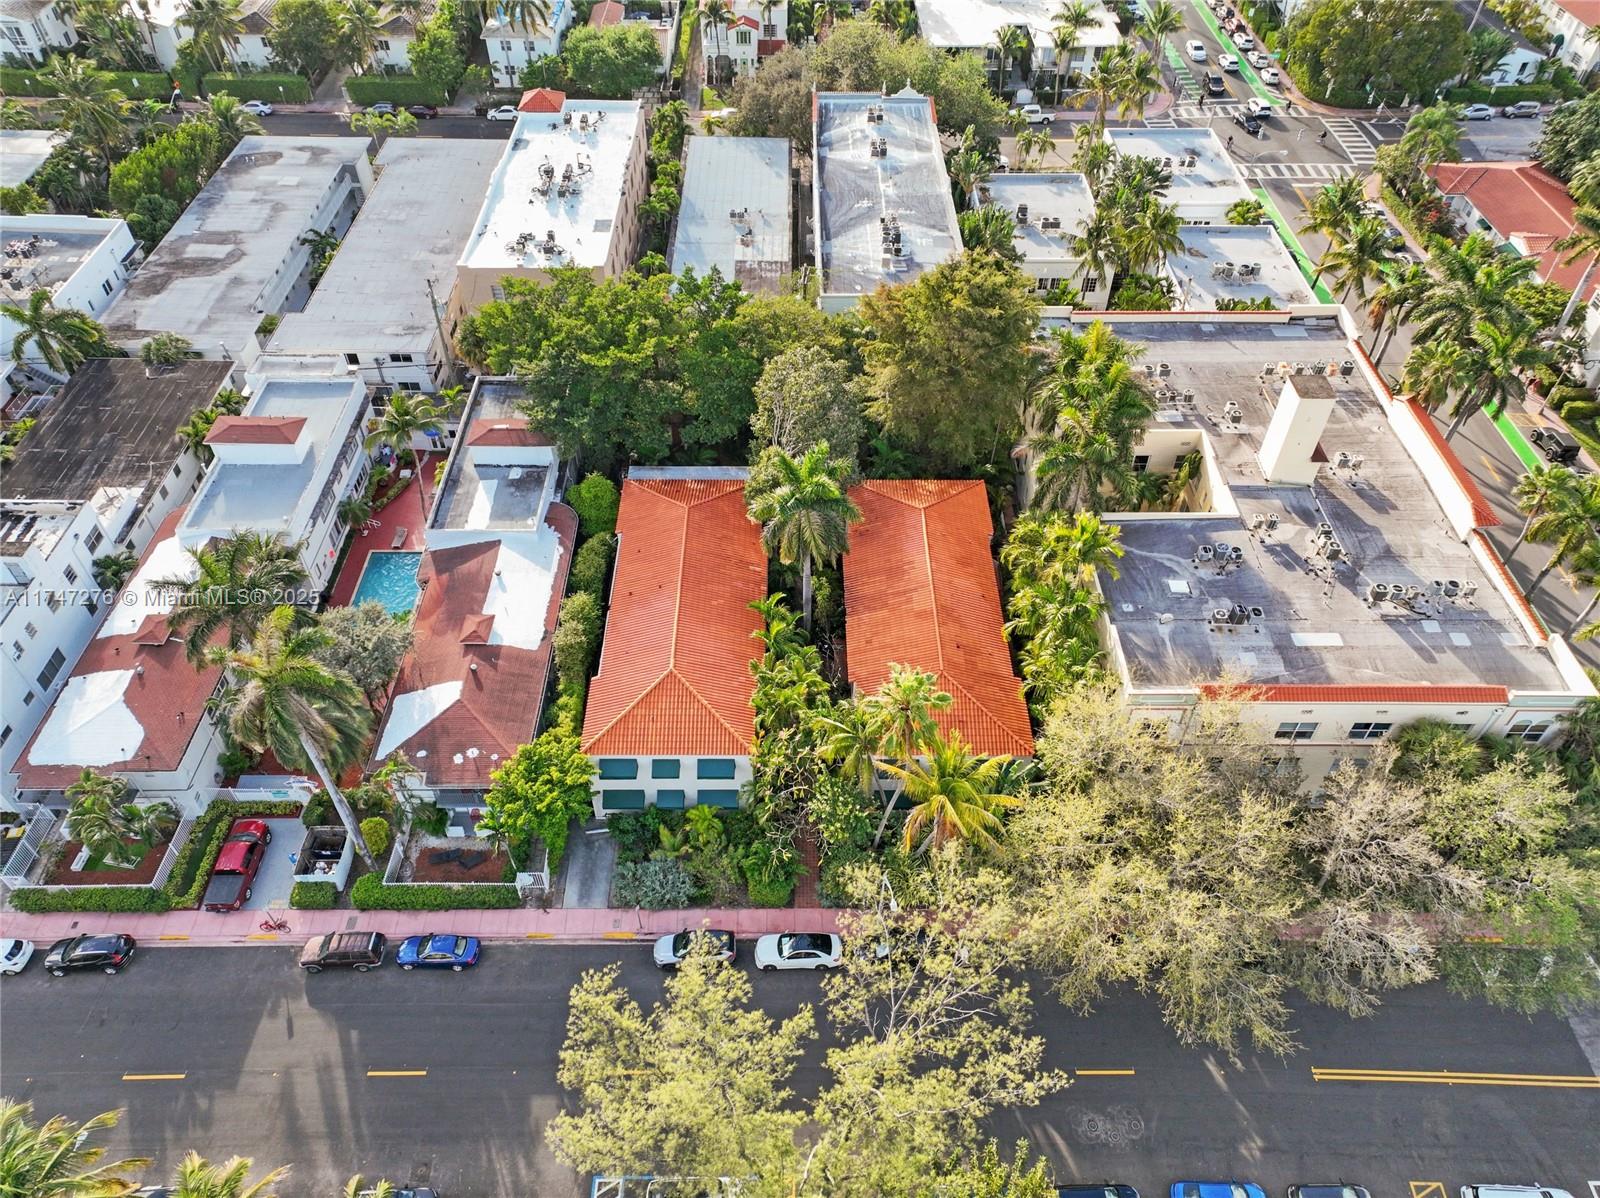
(1298, 170)
(1350, 138)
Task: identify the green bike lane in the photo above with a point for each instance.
(1246, 71)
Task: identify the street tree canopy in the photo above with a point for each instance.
(1356, 53)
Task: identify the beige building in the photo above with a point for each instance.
(566, 193)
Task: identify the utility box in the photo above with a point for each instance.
(325, 856)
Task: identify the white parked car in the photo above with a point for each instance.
(1270, 76)
(799, 950)
(256, 108)
(1244, 41)
(506, 112)
(1477, 112)
(1034, 115)
(1258, 107)
(1258, 59)
(14, 954)
(1197, 51)
(1227, 62)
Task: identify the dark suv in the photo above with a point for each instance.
(108, 951)
(1556, 445)
(357, 950)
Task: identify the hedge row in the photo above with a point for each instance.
(402, 90)
(274, 89)
(370, 894)
(118, 899)
(1511, 93)
(136, 85)
(313, 896)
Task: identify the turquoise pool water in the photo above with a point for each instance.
(390, 577)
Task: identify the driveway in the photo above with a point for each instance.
(276, 879)
(584, 879)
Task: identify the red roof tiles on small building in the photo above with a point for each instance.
(510, 430)
(920, 590)
(255, 430)
(675, 674)
(607, 12)
(541, 99)
(1520, 199)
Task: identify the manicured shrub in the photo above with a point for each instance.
(1475, 93)
(590, 567)
(577, 636)
(1580, 409)
(375, 831)
(273, 88)
(656, 885)
(111, 899)
(566, 713)
(402, 90)
(638, 833)
(595, 500)
(313, 896)
(370, 894)
(136, 85)
(770, 892)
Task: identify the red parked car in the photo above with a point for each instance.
(234, 874)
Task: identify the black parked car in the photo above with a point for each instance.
(356, 950)
(109, 951)
(1556, 445)
(1340, 1190)
(1108, 1189)
(1250, 124)
(423, 112)
(1215, 85)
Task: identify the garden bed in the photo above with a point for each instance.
(141, 874)
(486, 864)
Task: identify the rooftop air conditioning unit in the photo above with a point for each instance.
(1347, 367)
(1378, 592)
(1341, 460)
(1236, 554)
(1204, 553)
(1022, 214)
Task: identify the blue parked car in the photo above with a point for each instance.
(438, 950)
(1217, 1189)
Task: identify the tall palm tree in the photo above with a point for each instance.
(1497, 359)
(1161, 19)
(1092, 155)
(989, 228)
(1154, 231)
(94, 818)
(1568, 526)
(199, 1178)
(1096, 245)
(146, 120)
(1335, 208)
(283, 699)
(804, 512)
(62, 338)
(528, 15)
(232, 123)
(217, 26)
(1048, 550)
(1366, 253)
(360, 30)
(1536, 491)
(969, 170)
(1138, 78)
(1434, 371)
(1402, 289)
(412, 10)
(1107, 83)
(86, 104)
(717, 16)
(406, 416)
(1073, 18)
(852, 737)
(237, 583)
(954, 796)
(1585, 568)
(55, 1159)
(1583, 242)
(115, 568)
(903, 708)
(1010, 43)
(1473, 282)
(1034, 143)
(1433, 136)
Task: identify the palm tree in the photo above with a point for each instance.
(1155, 231)
(199, 1178)
(1010, 42)
(412, 10)
(231, 122)
(1496, 361)
(1434, 371)
(146, 120)
(1393, 302)
(55, 1159)
(1536, 491)
(1049, 550)
(1586, 572)
(969, 170)
(1568, 524)
(989, 228)
(237, 583)
(1583, 242)
(165, 351)
(1162, 18)
(1138, 78)
(1072, 18)
(902, 708)
(115, 568)
(851, 736)
(1473, 281)
(63, 338)
(360, 30)
(717, 16)
(1335, 208)
(804, 512)
(283, 699)
(216, 26)
(93, 819)
(1366, 253)
(357, 1187)
(405, 416)
(1433, 136)
(529, 15)
(1034, 143)
(355, 509)
(193, 432)
(955, 796)
(85, 103)
(1106, 82)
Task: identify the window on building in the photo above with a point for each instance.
(671, 800)
(528, 49)
(741, 37)
(769, 32)
(381, 44)
(717, 798)
(352, 359)
(16, 650)
(5, 734)
(161, 491)
(27, 699)
(1369, 731)
(52, 600)
(1295, 731)
(622, 800)
(719, 768)
(618, 767)
(177, 470)
(107, 287)
(411, 388)
(497, 293)
(51, 668)
(665, 767)
(1141, 463)
(1529, 730)
(92, 606)
(1091, 283)
(94, 540)
(400, 358)
(30, 630)
(70, 574)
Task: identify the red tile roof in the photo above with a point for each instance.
(1519, 199)
(541, 99)
(255, 430)
(166, 695)
(920, 590)
(508, 430)
(607, 12)
(674, 674)
(1587, 11)
(1359, 694)
(502, 686)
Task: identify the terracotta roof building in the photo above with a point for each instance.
(1521, 204)
(669, 720)
(920, 590)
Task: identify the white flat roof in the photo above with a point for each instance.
(204, 281)
(373, 297)
(23, 151)
(1207, 269)
(973, 24)
(561, 174)
(858, 190)
(1060, 198)
(1200, 166)
(744, 175)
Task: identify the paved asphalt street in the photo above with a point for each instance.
(449, 1078)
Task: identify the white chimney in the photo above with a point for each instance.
(1297, 424)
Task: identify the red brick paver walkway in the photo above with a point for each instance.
(805, 887)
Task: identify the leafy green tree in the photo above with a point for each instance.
(539, 791)
(1365, 254)
(1569, 137)
(577, 636)
(596, 501)
(20, 200)
(610, 63)
(61, 338)
(200, 1178)
(803, 509)
(114, 569)
(174, 166)
(237, 583)
(775, 100)
(948, 358)
(216, 26)
(72, 179)
(806, 396)
(1247, 212)
(56, 1159)
(85, 103)
(283, 699)
(151, 218)
(990, 229)
(305, 36)
(1354, 53)
(366, 643)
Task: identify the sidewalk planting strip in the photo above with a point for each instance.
(1302, 260)
(1245, 69)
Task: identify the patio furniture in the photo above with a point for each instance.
(444, 856)
(399, 538)
(471, 860)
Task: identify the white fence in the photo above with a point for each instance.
(14, 873)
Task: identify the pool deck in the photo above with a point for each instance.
(405, 512)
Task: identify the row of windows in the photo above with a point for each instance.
(706, 768)
(1531, 731)
(667, 800)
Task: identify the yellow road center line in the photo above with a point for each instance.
(1103, 1072)
(1448, 1078)
(154, 1077)
(397, 1073)
(1489, 466)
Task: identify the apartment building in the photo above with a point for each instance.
(974, 25)
(1050, 210)
(750, 32)
(512, 42)
(36, 29)
(737, 213)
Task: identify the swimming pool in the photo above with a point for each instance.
(390, 578)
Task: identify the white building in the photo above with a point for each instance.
(1575, 28)
(237, 253)
(1051, 209)
(100, 472)
(566, 192)
(753, 31)
(284, 465)
(884, 212)
(1205, 181)
(975, 24)
(512, 45)
(376, 309)
(737, 213)
(1328, 556)
(498, 547)
(35, 29)
(1227, 266)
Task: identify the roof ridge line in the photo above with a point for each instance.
(980, 705)
(639, 698)
(701, 699)
(933, 594)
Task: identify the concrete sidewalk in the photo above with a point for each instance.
(202, 928)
